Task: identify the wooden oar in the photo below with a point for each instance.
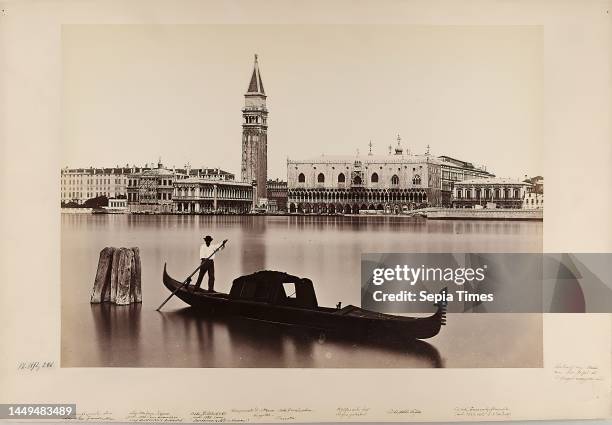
(189, 277)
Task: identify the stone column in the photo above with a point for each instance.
(215, 197)
(254, 194)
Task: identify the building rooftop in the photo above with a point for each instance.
(493, 180)
(158, 172)
(367, 159)
(147, 170)
(210, 180)
(462, 164)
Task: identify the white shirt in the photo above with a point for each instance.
(206, 251)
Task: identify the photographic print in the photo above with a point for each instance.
(236, 174)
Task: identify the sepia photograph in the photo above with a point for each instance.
(305, 212)
(221, 183)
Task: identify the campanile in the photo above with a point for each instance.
(255, 135)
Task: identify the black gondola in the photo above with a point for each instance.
(283, 298)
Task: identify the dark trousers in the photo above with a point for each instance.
(207, 266)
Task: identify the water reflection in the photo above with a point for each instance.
(253, 253)
(325, 249)
(117, 332)
(250, 343)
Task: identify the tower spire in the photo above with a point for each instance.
(256, 86)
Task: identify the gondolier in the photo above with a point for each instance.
(207, 258)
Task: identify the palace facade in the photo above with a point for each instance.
(199, 195)
(491, 192)
(391, 184)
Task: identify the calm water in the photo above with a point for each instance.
(325, 249)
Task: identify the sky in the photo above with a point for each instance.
(132, 94)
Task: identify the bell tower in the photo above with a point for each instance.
(255, 136)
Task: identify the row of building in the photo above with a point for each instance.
(393, 183)
(167, 190)
(390, 184)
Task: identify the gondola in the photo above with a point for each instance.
(283, 298)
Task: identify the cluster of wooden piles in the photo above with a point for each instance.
(118, 277)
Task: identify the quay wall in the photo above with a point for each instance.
(483, 214)
(76, 210)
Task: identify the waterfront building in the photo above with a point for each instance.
(198, 195)
(77, 185)
(456, 170)
(151, 190)
(277, 195)
(391, 184)
(537, 184)
(492, 192)
(534, 201)
(116, 206)
(255, 136)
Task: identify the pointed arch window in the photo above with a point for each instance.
(395, 180)
(301, 178)
(320, 178)
(374, 178)
(416, 179)
(341, 178)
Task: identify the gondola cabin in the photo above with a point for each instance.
(275, 288)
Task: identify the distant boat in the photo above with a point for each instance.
(283, 298)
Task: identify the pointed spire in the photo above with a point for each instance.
(370, 144)
(398, 149)
(256, 86)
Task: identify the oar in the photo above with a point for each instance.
(189, 277)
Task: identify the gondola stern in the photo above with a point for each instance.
(442, 306)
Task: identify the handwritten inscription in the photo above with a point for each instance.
(489, 411)
(576, 373)
(214, 416)
(352, 412)
(35, 366)
(256, 414)
(97, 416)
(404, 412)
(152, 416)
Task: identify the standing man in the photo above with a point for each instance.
(208, 264)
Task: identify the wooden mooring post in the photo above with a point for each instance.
(118, 278)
